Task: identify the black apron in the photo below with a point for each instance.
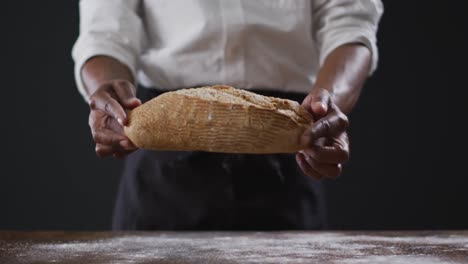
(172, 190)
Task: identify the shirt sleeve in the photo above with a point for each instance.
(338, 22)
(108, 27)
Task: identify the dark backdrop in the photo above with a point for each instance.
(407, 169)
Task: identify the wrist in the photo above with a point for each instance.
(100, 70)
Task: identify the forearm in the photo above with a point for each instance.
(343, 74)
(100, 69)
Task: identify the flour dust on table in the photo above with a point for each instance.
(259, 247)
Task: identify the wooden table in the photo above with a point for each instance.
(234, 247)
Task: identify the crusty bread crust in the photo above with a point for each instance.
(218, 119)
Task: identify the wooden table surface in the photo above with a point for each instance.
(416, 247)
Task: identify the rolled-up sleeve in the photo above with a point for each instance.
(111, 28)
(339, 22)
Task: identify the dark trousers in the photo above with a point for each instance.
(169, 190)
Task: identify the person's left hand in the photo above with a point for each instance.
(326, 140)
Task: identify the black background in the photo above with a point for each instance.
(407, 169)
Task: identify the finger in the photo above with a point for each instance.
(328, 154)
(330, 150)
(325, 170)
(107, 150)
(126, 144)
(330, 126)
(122, 153)
(125, 92)
(109, 105)
(107, 137)
(103, 150)
(305, 167)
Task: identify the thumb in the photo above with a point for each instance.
(319, 102)
(132, 103)
(125, 91)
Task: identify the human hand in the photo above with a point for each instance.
(108, 105)
(326, 140)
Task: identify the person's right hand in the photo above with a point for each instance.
(109, 105)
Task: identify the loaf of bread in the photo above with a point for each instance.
(218, 119)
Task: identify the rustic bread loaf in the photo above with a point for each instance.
(218, 119)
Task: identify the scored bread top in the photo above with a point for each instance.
(228, 94)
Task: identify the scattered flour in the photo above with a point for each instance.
(256, 248)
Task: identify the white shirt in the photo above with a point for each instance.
(266, 44)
